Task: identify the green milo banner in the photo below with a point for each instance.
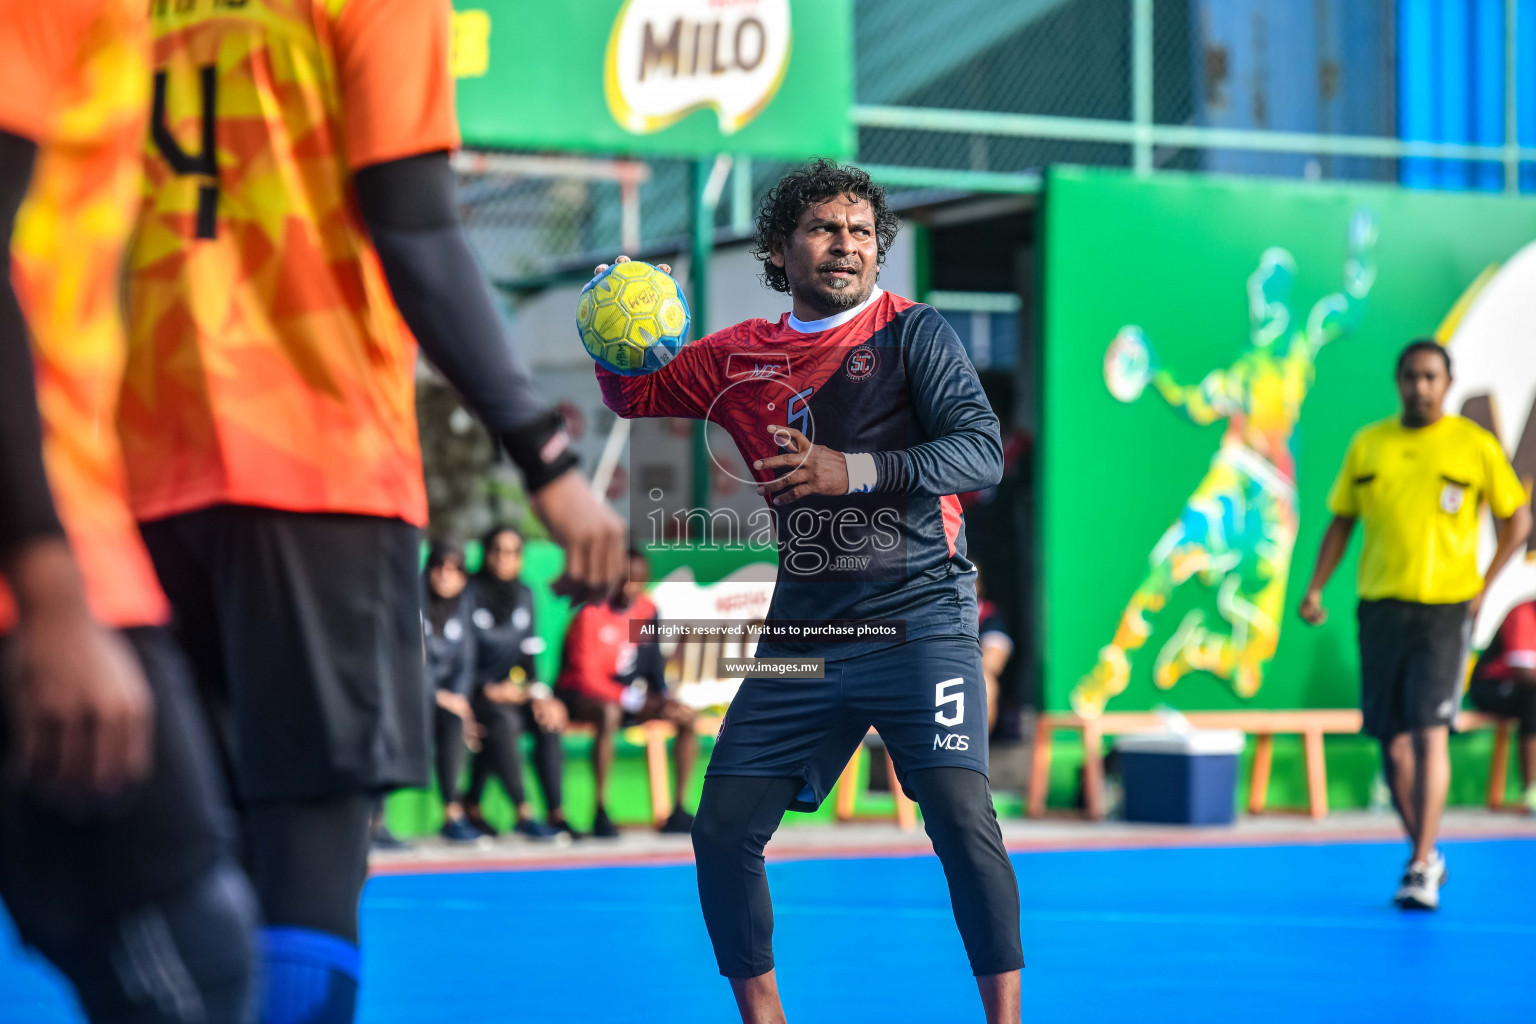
(1209, 347)
(770, 78)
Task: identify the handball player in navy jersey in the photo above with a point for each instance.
(860, 418)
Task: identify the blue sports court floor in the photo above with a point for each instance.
(1286, 933)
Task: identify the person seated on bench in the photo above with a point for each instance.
(450, 652)
(996, 649)
(1504, 684)
(610, 682)
(508, 697)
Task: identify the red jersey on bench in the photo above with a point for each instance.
(599, 651)
(1514, 646)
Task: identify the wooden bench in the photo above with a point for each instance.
(1263, 725)
(1498, 761)
(1311, 725)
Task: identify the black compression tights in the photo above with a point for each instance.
(449, 735)
(502, 756)
(308, 861)
(738, 814)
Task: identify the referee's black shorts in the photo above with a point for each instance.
(304, 631)
(62, 876)
(1412, 660)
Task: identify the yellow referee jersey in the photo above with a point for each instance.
(1419, 492)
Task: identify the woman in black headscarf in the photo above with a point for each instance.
(450, 649)
(508, 697)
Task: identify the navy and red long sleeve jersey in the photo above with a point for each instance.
(889, 379)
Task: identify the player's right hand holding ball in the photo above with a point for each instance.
(665, 268)
(632, 317)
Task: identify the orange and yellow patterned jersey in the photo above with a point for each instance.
(268, 364)
(74, 78)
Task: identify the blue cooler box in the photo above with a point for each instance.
(1181, 778)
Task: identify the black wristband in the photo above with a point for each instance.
(541, 449)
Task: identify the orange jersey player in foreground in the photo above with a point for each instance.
(299, 236)
(113, 857)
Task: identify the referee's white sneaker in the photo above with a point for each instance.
(1420, 887)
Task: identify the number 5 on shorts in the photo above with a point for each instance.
(942, 696)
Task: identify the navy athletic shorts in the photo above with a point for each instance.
(926, 698)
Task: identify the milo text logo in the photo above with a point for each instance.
(668, 58)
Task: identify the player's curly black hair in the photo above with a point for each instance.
(804, 187)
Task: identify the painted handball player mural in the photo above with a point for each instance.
(1237, 530)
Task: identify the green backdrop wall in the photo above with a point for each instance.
(1173, 255)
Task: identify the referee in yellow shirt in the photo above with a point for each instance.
(1418, 482)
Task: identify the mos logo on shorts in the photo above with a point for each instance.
(861, 364)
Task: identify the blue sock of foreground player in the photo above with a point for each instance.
(309, 977)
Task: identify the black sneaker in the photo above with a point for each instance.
(538, 831)
(603, 826)
(564, 828)
(459, 830)
(678, 823)
(384, 839)
(482, 826)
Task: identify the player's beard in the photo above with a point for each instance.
(1419, 412)
(841, 294)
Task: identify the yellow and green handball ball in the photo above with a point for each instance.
(632, 318)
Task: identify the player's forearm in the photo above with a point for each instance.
(1512, 535)
(681, 389)
(26, 503)
(464, 678)
(969, 460)
(1331, 552)
(628, 397)
(44, 577)
(994, 657)
(408, 206)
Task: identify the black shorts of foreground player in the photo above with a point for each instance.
(860, 418)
